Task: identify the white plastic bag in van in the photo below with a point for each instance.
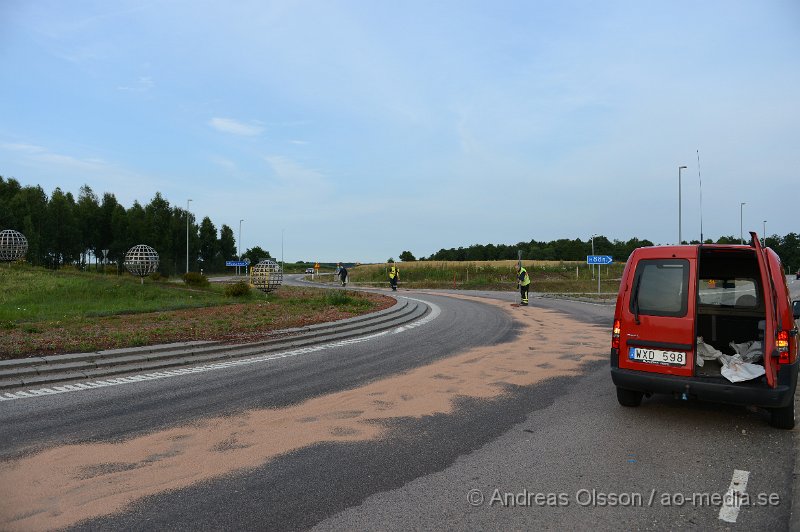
(706, 352)
(750, 351)
(737, 370)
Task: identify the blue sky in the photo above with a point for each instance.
(360, 129)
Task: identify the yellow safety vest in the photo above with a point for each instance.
(526, 280)
(392, 272)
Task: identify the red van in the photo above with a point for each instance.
(684, 312)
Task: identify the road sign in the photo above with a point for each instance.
(237, 262)
(599, 259)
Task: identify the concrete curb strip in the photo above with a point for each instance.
(37, 371)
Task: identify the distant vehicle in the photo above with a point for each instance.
(310, 270)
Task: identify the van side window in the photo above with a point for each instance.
(660, 288)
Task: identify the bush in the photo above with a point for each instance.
(240, 289)
(158, 276)
(195, 279)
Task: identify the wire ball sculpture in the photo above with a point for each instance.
(13, 245)
(267, 276)
(141, 260)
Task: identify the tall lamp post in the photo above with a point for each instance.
(741, 225)
(764, 234)
(239, 244)
(187, 234)
(680, 240)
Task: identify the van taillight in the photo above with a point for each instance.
(782, 343)
(615, 335)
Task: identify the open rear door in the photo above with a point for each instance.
(770, 327)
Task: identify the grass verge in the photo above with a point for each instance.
(43, 312)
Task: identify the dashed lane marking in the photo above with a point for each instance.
(730, 509)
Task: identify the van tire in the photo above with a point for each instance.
(782, 418)
(629, 397)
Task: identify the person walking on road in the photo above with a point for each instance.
(394, 276)
(343, 275)
(523, 282)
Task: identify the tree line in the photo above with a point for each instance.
(787, 248)
(62, 230)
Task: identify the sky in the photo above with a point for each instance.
(353, 130)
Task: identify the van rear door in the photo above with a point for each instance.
(658, 318)
(770, 303)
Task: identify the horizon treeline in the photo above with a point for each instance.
(62, 230)
(787, 248)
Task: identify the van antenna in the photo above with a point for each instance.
(701, 196)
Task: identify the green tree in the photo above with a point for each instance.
(29, 208)
(158, 217)
(87, 214)
(62, 236)
(208, 244)
(407, 256)
(227, 243)
(256, 255)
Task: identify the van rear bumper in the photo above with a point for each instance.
(742, 393)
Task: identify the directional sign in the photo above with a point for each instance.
(599, 259)
(237, 262)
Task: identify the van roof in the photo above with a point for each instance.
(686, 250)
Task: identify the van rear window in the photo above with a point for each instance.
(660, 288)
(744, 293)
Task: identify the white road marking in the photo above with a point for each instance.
(733, 498)
(79, 387)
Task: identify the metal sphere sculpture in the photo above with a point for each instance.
(141, 260)
(13, 245)
(266, 276)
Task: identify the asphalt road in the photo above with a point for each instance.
(397, 432)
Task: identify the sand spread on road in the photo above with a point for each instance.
(64, 485)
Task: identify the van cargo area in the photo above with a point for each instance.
(730, 304)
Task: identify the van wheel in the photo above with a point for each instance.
(782, 418)
(629, 397)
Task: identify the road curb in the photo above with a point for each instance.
(41, 371)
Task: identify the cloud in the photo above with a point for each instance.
(223, 162)
(41, 154)
(295, 175)
(24, 148)
(228, 125)
(144, 84)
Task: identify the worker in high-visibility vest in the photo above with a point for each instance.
(394, 276)
(523, 282)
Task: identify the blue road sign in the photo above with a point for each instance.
(236, 262)
(599, 259)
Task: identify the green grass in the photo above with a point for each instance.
(48, 312)
(30, 294)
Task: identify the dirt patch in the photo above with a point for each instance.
(61, 486)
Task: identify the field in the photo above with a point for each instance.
(555, 277)
(46, 312)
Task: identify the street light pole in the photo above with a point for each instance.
(187, 234)
(741, 225)
(680, 240)
(593, 254)
(281, 249)
(239, 244)
(764, 234)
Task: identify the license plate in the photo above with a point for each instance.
(657, 356)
